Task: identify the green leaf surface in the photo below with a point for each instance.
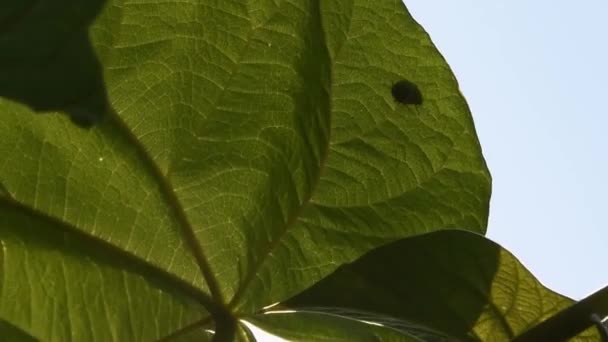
(58, 285)
(46, 58)
(453, 281)
(252, 148)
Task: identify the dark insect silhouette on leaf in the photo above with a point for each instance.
(406, 92)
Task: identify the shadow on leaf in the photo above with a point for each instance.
(12, 333)
(47, 61)
(452, 281)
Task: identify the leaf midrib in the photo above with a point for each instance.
(176, 208)
(308, 199)
(105, 248)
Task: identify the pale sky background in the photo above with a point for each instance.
(535, 74)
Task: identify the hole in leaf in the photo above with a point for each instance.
(406, 92)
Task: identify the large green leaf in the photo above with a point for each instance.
(453, 281)
(252, 148)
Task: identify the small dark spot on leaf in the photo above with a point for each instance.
(406, 92)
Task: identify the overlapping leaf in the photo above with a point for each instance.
(454, 281)
(252, 148)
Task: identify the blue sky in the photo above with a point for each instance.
(535, 74)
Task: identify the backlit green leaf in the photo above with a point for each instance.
(252, 147)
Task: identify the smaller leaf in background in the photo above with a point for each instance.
(452, 281)
(46, 58)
